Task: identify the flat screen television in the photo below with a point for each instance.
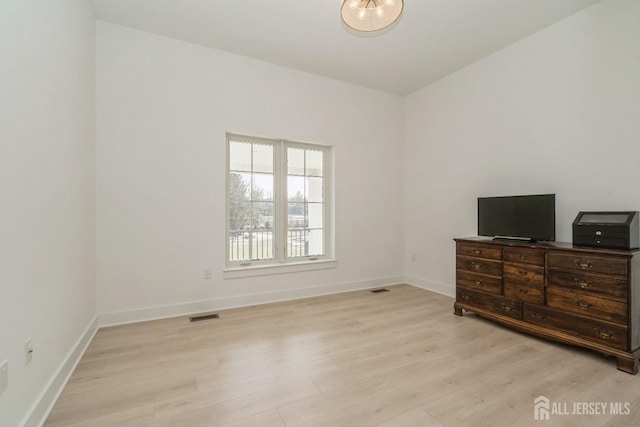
(530, 217)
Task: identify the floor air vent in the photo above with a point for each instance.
(379, 291)
(201, 317)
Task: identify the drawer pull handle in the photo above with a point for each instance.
(477, 282)
(537, 315)
(465, 297)
(523, 272)
(477, 251)
(523, 257)
(476, 265)
(605, 335)
(506, 307)
(524, 291)
(583, 305)
(582, 283)
(584, 265)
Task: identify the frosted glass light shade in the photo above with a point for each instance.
(370, 15)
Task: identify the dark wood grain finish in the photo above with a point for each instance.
(479, 265)
(493, 303)
(603, 332)
(524, 256)
(479, 282)
(587, 304)
(588, 263)
(480, 251)
(616, 286)
(634, 304)
(523, 274)
(528, 293)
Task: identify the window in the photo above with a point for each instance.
(277, 202)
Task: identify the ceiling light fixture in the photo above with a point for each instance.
(370, 15)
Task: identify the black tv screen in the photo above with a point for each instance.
(520, 217)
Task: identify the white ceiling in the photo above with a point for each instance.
(433, 38)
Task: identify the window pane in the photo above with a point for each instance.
(240, 156)
(238, 246)
(262, 187)
(316, 242)
(297, 242)
(314, 189)
(263, 214)
(295, 161)
(262, 158)
(297, 217)
(239, 186)
(295, 188)
(240, 218)
(261, 244)
(262, 236)
(316, 212)
(313, 163)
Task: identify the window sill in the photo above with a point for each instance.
(263, 270)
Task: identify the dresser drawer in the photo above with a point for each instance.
(524, 256)
(587, 304)
(524, 274)
(592, 264)
(591, 329)
(481, 251)
(607, 285)
(532, 294)
(479, 265)
(488, 302)
(479, 282)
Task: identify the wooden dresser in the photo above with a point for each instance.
(588, 297)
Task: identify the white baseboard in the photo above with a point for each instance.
(39, 411)
(430, 285)
(182, 309)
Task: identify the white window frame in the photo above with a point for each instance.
(281, 263)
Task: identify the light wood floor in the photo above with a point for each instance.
(399, 358)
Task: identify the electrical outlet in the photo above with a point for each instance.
(4, 375)
(207, 273)
(28, 351)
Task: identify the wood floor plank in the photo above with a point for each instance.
(139, 416)
(264, 419)
(215, 378)
(379, 407)
(204, 398)
(238, 408)
(351, 392)
(416, 418)
(83, 408)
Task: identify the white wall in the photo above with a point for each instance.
(558, 112)
(163, 107)
(47, 218)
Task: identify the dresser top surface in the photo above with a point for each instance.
(562, 246)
